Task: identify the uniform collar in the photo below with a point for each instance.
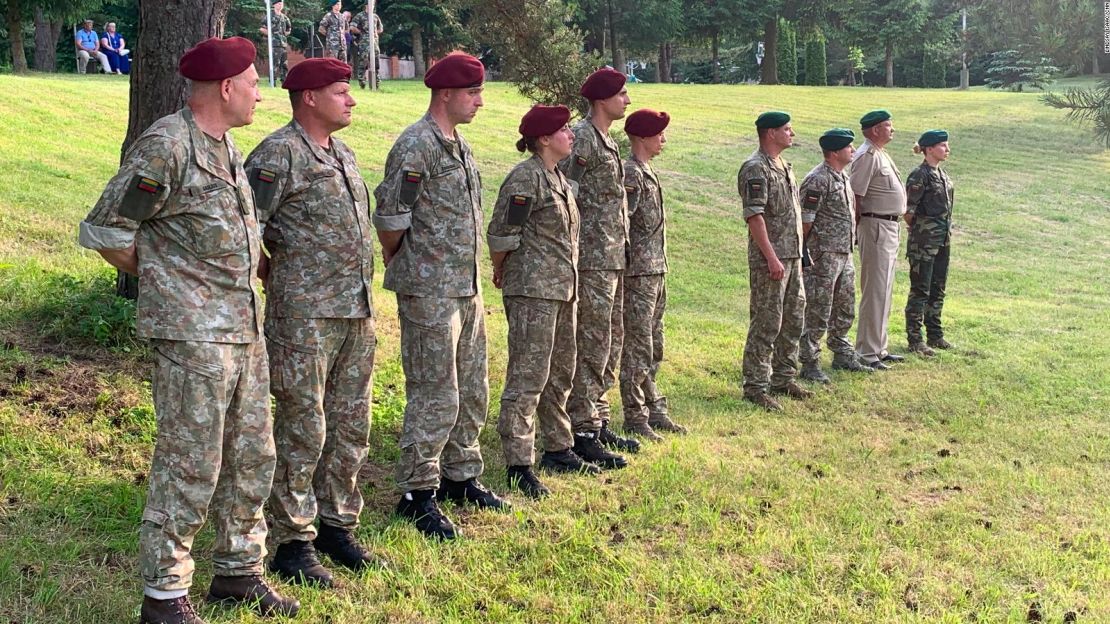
(318, 152)
(204, 158)
(457, 148)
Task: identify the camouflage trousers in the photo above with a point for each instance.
(321, 372)
(443, 352)
(281, 62)
(336, 50)
(363, 57)
(928, 279)
(777, 312)
(830, 305)
(599, 336)
(540, 373)
(214, 457)
(645, 300)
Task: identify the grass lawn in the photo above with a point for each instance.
(969, 488)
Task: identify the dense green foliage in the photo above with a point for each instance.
(787, 53)
(816, 66)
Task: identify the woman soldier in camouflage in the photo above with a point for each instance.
(929, 196)
(533, 242)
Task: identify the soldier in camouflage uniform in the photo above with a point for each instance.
(313, 208)
(769, 194)
(533, 241)
(180, 215)
(366, 42)
(645, 289)
(829, 228)
(333, 27)
(596, 172)
(929, 198)
(429, 218)
(282, 26)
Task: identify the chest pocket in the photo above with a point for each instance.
(213, 221)
(327, 205)
(936, 197)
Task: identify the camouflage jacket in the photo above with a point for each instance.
(314, 211)
(362, 22)
(335, 30)
(596, 169)
(536, 219)
(929, 195)
(194, 230)
(827, 200)
(647, 223)
(432, 191)
(770, 190)
(281, 27)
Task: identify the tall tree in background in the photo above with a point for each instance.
(787, 53)
(652, 28)
(711, 19)
(53, 20)
(421, 18)
(1086, 106)
(882, 25)
(816, 62)
(14, 11)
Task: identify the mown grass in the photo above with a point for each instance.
(968, 488)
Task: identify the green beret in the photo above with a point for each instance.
(772, 119)
(836, 139)
(873, 118)
(932, 137)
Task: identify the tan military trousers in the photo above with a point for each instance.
(321, 372)
(214, 453)
(777, 311)
(830, 306)
(878, 254)
(443, 353)
(539, 375)
(645, 301)
(600, 334)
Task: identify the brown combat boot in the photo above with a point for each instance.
(763, 400)
(643, 430)
(939, 343)
(172, 611)
(922, 349)
(662, 422)
(793, 390)
(251, 592)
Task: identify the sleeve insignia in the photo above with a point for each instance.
(148, 185)
(757, 190)
(410, 187)
(267, 176)
(812, 197)
(915, 188)
(581, 160)
(519, 208)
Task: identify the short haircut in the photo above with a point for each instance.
(295, 99)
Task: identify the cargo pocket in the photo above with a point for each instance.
(426, 353)
(189, 393)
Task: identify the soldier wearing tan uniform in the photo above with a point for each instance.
(533, 242)
(313, 208)
(880, 200)
(429, 220)
(180, 215)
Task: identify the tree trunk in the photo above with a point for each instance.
(851, 81)
(715, 48)
(167, 28)
(14, 19)
(663, 68)
(417, 34)
(614, 41)
(46, 41)
(890, 64)
(594, 32)
(769, 72)
(1094, 63)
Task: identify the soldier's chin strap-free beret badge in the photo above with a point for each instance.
(646, 123)
(932, 137)
(772, 119)
(457, 70)
(315, 73)
(216, 59)
(873, 118)
(836, 139)
(543, 120)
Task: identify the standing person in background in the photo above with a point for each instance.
(115, 48)
(367, 45)
(596, 172)
(769, 194)
(429, 221)
(880, 201)
(282, 26)
(88, 46)
(829, 229)
(929, 200)
(334, 29)
(645, 289)
(533, 242)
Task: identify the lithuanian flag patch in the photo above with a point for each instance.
(148, 185)
(267, 176)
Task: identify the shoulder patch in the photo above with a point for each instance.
(812, 198)
(756, 189)
(411, 181)
(580, 160)
(915, 188)
(262, 184)
(141, 197)
(519, 209)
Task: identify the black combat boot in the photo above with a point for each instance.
(420, 507)
(296, 562)
(341, 546)
(607, 437)
(173, 611)
(523, 479)
(589, 449)
(251, 592)
(470, 491)
(566, 461)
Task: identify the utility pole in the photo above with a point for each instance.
(373, 22)
(270, 40)
(965, 79)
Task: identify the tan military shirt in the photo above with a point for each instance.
(432, 192)
(647, 223)
(194, 230)
(767, 187)
(596, 168)
(314, 211)
(536, 219)
(827, 199)
(877, 181)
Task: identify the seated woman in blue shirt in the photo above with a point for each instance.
(114, 47)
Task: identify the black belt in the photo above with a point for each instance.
(879, 216)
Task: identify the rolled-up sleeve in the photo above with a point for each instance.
(751, 183)
(504, 232)
(399, 191)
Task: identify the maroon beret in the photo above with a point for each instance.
(216, 59)
(457, 70)
(646, 123)
(603, 83)
(315, 73)
(544, 120)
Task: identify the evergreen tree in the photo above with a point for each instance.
(787, 53)
(1015, 68)
(816, 69)
(1086, 106)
